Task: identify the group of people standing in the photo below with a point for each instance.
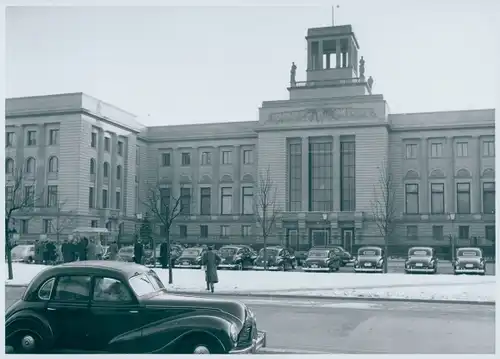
(49, 252)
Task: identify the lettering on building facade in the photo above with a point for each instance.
(321, 115)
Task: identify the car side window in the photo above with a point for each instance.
(46, 289)
(110, 290)
(73, 288)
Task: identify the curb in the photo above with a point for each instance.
(319, 297)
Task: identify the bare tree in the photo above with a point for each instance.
(266, 207)
(20, 198)
(63, 219)
(384, 206)
(165, 208)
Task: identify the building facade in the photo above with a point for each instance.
(327, 150)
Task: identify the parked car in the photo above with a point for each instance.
(109, 307)
(23, 253)
(235, 257)
(175, 252)
(421, 260)
(469, 260)
(125, 254)
(370, 259)
(345, 256)
(190, 257)
(321, 260)
(278, 258)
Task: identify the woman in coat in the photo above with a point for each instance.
(113, 251)
(211, 261)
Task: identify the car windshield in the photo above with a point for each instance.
(318, 254)
(469, 253)
(227, 251)
(145, 283)
(271, 252)
(369, 252)
(19, 251)
(191, 252)
(419, 252)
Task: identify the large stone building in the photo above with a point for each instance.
(326, 148)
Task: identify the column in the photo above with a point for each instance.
(215, 194)
(237, 191)
(336, 173)
(98, 165)
(320, 46)
(195, 189)
(338, 53)
(310, 57)
(476, 187)
(40, 187)
(305, 174)
(113, 162)
(424, 173)
(450, 175)
(350, 50)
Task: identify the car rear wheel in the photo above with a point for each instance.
(26, 342)
(199, 344)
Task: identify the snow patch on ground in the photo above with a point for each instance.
(347, 285)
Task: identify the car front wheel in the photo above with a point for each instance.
(26, 342)
(199, 344)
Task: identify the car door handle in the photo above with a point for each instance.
(133, 311)
(52, 309)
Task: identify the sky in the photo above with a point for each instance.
(180, 65)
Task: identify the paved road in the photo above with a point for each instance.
(342, 327)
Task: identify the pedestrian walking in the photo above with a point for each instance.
(138, 252)
(99, 249)
(113, 251)
(211, 261)
(66, 251)
(164, 254)
(91, 250)
(82, 249)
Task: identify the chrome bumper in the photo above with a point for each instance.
(227, 266)
(420, 270)
(470, 270)
(268, 268)
(192, 266)
(257, 344)
(319, 269)
(368, 269)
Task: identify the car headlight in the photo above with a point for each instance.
(233, 332)
(431, 264)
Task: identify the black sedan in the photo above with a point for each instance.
(109, 307)
(321, 260)
(421, 260)
(370, 259)
(278, 258)
(469, 261)
(236, 257)
(190, 258)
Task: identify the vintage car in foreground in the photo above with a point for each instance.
(235, 257)
(278, 258)
(190, 257)
(23, 253)
(469, 260)
(110, 307)
(421, 260)
(370, 259)
(321, 260)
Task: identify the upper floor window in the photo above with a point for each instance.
(411, 150)
(165, 159)
(137, 156)
(436, 150)
(185, 159)
(226, 157)
(31, 138)
(489, 197)
(247, 157)
(226, 200)
(437, 198)
(462, 149)
(9, 139)
(107, 144)
(9, 166)
(105, 169)
(118, 172)
(247, 194)
(120, 148)
(489, 148)
(463, 198)
(411, 193)
(30, 165)
(53, 164)
(93, 140)
(92, 166)
(53, 137)
(206, 158)
(52, 196)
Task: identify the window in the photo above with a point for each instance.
(463, 232)
(295, 177)
(91, 197)
(92, 166)
(489, 233)
(247, 200)
(105, 169)
(165, 159)
(436, 150)
(111, 290)
(183, 231)
(462, 149)
(9, 166)
(224, 231)
(205, 201)
(9, 139)
(9, 196)
(30, 165)
(53, 137)
(489, 197)
(185, 159)
(347, 176)
(118, 172)
(137, 156)
(437, 198)
(247, 157)
(52, 196)
(46, 289)
(206, 158)
(411, 151)
(29, 196)
(412, 233)
(47, 226)
(226, 157)
(165, 200)
(246, 231)
(320, 177)
(488, 148)
(31, 140)
(204, 231)
(186, 201)
(118, 200)
(437, 233)
(120, 148)
(411, 193)
(226, 200)
(104, 198)
(25, 226)
(94, 223)
(93, 140)
(463, 198)
(53, 164)
(73, 288)
(107, 144)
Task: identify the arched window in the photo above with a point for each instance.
(92, 166)
(106, 169)
(30, 165)
(9, 166)
(118, 172)
(53, 164)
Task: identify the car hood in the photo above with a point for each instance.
(172, 301)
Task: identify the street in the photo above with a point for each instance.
(304, 326)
